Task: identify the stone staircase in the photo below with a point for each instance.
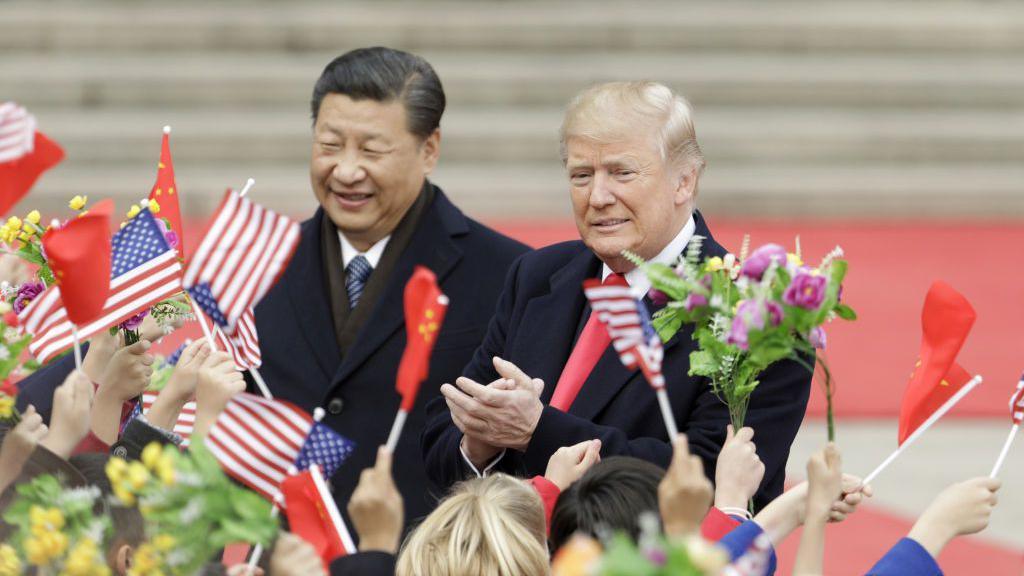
(843, 108)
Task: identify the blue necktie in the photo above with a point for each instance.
(356, 275)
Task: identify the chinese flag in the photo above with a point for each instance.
(17, 176)
(425, 307)
(946, 320)
(165, 192)
(79, 255)
(313, 515)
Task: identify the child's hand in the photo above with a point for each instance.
(18, 445)
(739, 471)
(127, 374)
(684, 494)
(963, 508)
(218, 382)
(824, 479)
(376, 507)
(568, 463)
(181, 386)
(72, 406)
(293, 556)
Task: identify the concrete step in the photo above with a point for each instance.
(508, 190)
(786, 26)
(198, 80)
(492, 134)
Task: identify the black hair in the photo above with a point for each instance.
(127, 522)
(386, 75)
(611, 496)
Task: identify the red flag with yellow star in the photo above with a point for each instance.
(165, 193)
(79, 255)
(946, 320)
(425, 307)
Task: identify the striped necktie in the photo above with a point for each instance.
(356, 275)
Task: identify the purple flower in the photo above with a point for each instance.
(750, 315)
(754, 266)
(26, 293)
(807, 291)
(656, 556)
(134, 322)
(818, 338)
(658, 298)
(694, 301)
(774, 312)
(169, 235)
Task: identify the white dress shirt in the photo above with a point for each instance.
(349, 252)
(636, 278)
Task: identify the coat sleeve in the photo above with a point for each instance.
(907, 558)
(39, 387)
(364, 564)
(440, 438)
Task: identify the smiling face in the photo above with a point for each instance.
(626, 197)
(367, 168)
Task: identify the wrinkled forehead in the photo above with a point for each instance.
(612, 149)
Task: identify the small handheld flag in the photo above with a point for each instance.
(313, 515)
(1017, 416)
(938, 383)
(25, 154)
(425, 308)
(79, 255)
(633, 336)
(165, 191)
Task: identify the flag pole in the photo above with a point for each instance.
(256, 376)
(78, 347)
(396, 430)
(203, 324)
(923, 427)
(666, 413)
(1005, 451)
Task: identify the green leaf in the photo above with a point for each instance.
(845, 312)
(702, 363)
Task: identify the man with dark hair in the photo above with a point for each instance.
(332, 329)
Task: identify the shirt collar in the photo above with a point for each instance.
(637, 279)
(349, 252)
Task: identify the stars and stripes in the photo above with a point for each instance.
(17, 132)
(186, 418)
(259, 442)
(244, 345)
(629, 326)
(244, 252)
(1017, 403)
(144, 271)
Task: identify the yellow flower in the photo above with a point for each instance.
(151, 454)
(14, 223)
(41, 550)
(138, 476)
(134, 211)
(6, 406)
(126, 497)
(78, 202)
(116, 468)
(85, 560)
(714, 264)
(33, 217)
(164, 542)
(154, 207)
(145, 560)
(794, 259)
(10, 564)
(5, 307)
(165, 470)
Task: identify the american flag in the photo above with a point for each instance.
(17, 132)
(242, 255)
(244, 343)
(1017, 403)
(144, 271)
(258, 441)
(629, 326)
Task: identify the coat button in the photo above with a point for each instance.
(335, 405)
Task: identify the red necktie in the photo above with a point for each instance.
(592, 343)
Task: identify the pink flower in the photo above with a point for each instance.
(752, 315)
(818, 338)
(134, 322)
(26, 293)
(806, 291)
(775, 312)
(658, 298)
(694, 301)
(754, 266)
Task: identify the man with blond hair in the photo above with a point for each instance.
(545, 376)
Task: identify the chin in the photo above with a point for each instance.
(609, 249)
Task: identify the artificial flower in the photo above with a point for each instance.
(6, 407)
(26, 293)
(658, 298)
(10, 564)
(134, 211)
(33, 217)
(78, 202)
(133, 322)
(754, 267)
(818, 338)
(806, 291)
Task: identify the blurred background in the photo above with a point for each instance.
(894, 129)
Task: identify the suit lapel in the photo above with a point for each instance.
(609, 375)
(550, 322)
(304, 285)
(431, 245)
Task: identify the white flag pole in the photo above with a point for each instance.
(396, 430)
(666, 414)
(78, 347)
(1005, 451)
(203, 324)
(923, 427)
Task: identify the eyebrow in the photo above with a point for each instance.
(368, 135)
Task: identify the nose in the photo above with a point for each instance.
(601, 194)
(348, 170)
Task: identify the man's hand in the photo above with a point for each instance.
(684, 494)
(376, 507)
(218, 382)
(739, 470)
(181, 386)
(499, 417)
(293, 556)
(72, 404)
(569, 463)
(963, 508)
(18, 445)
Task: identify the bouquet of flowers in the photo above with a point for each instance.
(12, 344)
(748, 313)
(191, 506)
(56, 531)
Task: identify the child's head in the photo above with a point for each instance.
(128, 526)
